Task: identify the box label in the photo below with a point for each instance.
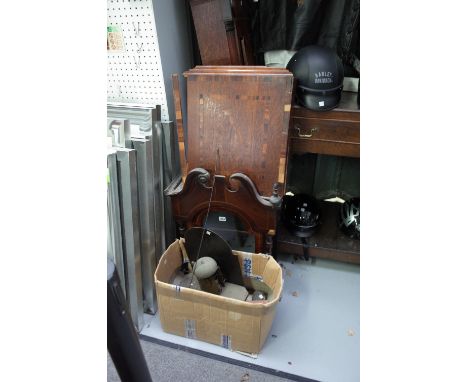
(115, 41)
(226, 342)
(247, 265)
(190, 329)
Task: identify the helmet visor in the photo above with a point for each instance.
(326, 101)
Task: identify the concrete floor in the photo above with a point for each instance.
(172, 365)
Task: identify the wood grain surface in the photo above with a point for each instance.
(211, 33)
(334, 132)
(246, 117)
(213, 69)
(179, 124)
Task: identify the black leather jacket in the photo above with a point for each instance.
(293, 24)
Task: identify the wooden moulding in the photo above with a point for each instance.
(179, 124)
(235, 194)
(214, 69)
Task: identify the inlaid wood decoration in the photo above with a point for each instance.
(243, 113)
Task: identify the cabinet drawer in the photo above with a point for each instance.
(325, 130)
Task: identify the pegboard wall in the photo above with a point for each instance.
(134, 71)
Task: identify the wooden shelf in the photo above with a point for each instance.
(328, 243)
(348, 104)
(333, 132)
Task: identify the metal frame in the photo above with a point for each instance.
(146, 201)
(114, 221)
(144, 117)
(162, 138)
(157, 140)
(119, 130)
(171, 170)
(126, 160)
(147, 163)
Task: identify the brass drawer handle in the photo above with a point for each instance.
(312, 130)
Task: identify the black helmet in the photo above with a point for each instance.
(319, 74)
(349, 218)
(300, 214)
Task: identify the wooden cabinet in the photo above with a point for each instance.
(328, 243)
(334, 132)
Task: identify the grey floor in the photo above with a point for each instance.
(172, 365)
(322, 344)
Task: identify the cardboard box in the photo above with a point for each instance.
(233, 324)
